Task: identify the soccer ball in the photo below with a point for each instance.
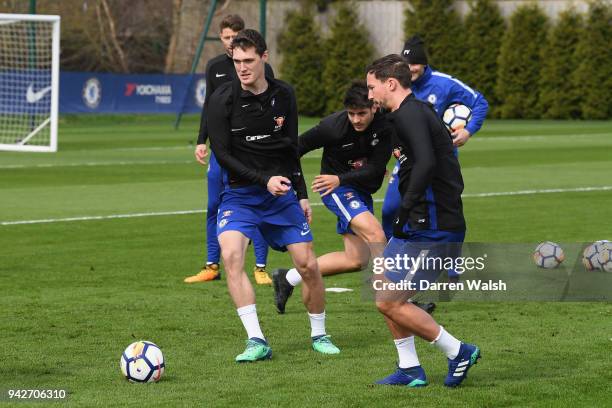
(596, 255)
(142, 362)
(605, 256)
(456, 116)
(548, 255)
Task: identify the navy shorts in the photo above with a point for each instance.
(280, 219)
(435, 248)
(347, 203)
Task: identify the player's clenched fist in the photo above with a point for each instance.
(201, 151)
(278, 185)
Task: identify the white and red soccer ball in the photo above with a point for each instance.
(548, 255)
(142, 362)
(598, 256)
(456, 116)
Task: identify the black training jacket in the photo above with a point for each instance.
(254, 137)
(359, 159)
(430, 180)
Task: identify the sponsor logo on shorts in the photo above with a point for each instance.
(222, 223)
(349, 195)
(227, 213)
(306, 229)
(355, 205)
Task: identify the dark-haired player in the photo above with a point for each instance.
(430, 223)
(356, 146)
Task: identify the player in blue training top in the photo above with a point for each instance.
(424, 229)
(356, 146)
(220, 70)
(440, 90)
(253, 133)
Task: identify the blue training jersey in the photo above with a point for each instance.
(441, 90)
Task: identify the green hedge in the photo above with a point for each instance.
(484, 27)
(559, 97)
(519, 63)
(531, 69)
(593, 76)
(348, 52)
(303, 61)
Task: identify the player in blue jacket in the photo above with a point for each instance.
(440, 90)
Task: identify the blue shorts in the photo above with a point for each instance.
(280, 220)
(347, 203)
(436, 249)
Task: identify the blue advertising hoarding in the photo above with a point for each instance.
(83, 92)
(88, 92)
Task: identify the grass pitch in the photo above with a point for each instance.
(77, 290)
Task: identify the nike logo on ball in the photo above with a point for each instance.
(33, 97)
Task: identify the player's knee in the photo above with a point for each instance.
(356, 264)
(386, 308)
(375, 235)
(307, 267)
(232, 259)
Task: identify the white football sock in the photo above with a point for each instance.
(447, 343)
(248, 315)
(293, 277)
(406, 352)
(317, 324)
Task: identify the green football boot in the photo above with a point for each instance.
(256, 350)
(323, 345)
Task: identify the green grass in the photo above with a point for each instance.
(75, 294)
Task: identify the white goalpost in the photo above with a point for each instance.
(29, 82)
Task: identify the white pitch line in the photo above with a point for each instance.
(541, 191)
(102, 217)
(109, 163)
(92, 164)
(318, 204)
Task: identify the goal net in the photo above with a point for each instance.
(29, 82)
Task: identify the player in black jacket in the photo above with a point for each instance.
(253, 132)
(220, 70)
(430, 224)
(356, 146)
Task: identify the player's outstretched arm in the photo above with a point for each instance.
(325, 184)
(311, 140)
